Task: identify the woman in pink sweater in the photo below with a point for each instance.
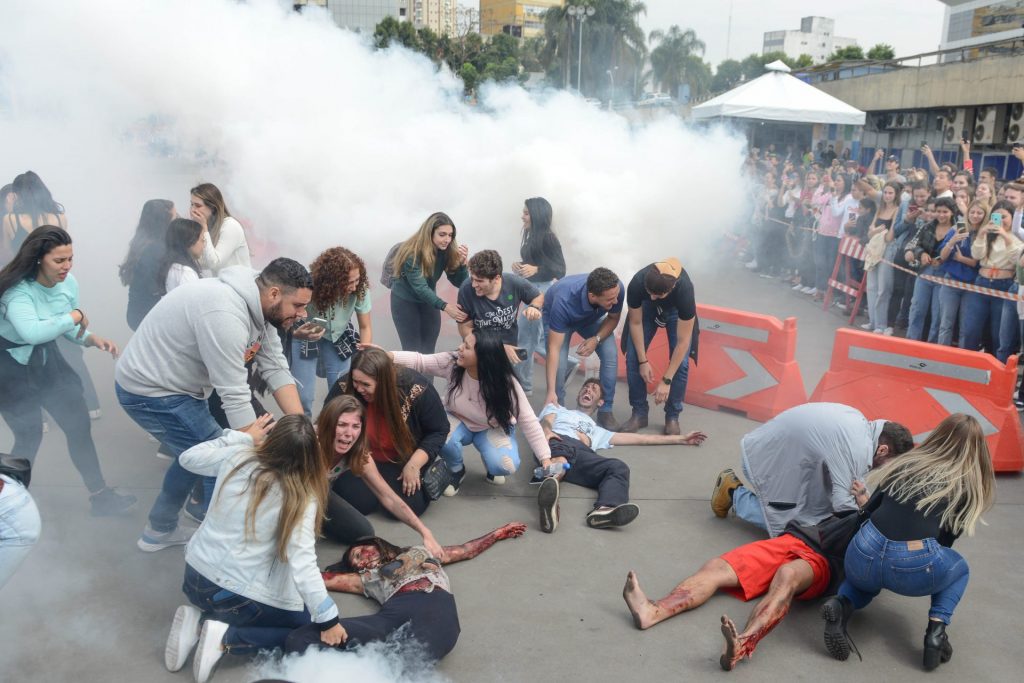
(485, 405)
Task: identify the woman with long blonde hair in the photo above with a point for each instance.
(418, 264)
(250, 569)
(922, 502)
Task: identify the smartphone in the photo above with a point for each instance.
(924, 143)
(319, 322)
(960, 226)
(997, 220)
(521, 354)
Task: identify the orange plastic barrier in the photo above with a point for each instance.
(918, 384)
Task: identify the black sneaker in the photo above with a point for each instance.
(547, 501)
(456, 483)
(109, 502)
(620, 515)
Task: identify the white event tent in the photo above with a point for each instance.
(779, 96)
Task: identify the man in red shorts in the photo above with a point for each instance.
(802, 563)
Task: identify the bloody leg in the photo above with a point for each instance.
(694, 591)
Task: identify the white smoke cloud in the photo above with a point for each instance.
(319, 140)
(389, 662)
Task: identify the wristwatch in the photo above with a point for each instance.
(667, 381)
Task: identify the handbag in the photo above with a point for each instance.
(18, 469)
(436, 478)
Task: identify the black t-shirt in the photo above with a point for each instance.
(681, 298)
(503, 312)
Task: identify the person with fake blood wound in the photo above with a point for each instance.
(198, 338)
(802, 563)
(38, 305)
(922, 503)
(802, 463)
(660, 295)
(485, 406)
(343, 437)
(412, 588)
(574, 438)
(406, 427)
(250, 570)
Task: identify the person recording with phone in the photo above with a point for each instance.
(997, 254)
(958, 265)
(492, 298)
(922, 253)
(327, 340)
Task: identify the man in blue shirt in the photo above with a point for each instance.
(589, 305)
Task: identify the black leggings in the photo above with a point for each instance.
(432, 617)
(62, 396)
(343, 523)
(418, 324)
(355, 491)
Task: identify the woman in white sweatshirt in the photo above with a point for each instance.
(250, 569)
(224, 241)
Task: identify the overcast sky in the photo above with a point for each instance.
(910, 26)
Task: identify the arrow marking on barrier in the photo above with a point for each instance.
(924, 365)
(953, 402)
(756, 377)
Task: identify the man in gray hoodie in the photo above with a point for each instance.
(198, 338)
(802, 464)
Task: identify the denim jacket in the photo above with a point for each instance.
(250, 567)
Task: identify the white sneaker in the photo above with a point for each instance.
(210, 649)
(182, 638)
(151, 541)
(888, 331)
(752, 265)
(798, 287)
(497, 480)
(95, 414)
(867, 326)
(810, 290)
(878, 330)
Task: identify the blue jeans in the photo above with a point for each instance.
(953, 304)
(304, 370)
(20, 527)
(748, 507)
(533, 340)
(178, 422)
(252, 626)
(879, 291)
(873, 562)
(1000, 315)
(926, 297)
(498, 450)
(637, 386)
(825, 251)
(606, 351)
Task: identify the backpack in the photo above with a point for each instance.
(388, 276)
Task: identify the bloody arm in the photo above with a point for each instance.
(469, 550)
(343, 582)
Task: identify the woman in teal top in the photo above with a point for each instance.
(38, 304)
(418, 265)
(340, 288)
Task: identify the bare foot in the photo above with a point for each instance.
(639, 606)
(729, 657)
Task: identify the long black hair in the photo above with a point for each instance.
(387, 551)
(182, 233)
(153, 222)
(34, 198)
(497, 383)
(25, 264)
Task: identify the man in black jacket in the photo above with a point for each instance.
(803, 563)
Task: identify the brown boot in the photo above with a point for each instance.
(607, 421)
(672, 427)
(634, 423)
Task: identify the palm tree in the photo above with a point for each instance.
(678, 59)
(612, 37)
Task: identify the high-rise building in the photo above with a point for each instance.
(520, 18)
(360, 15)
(440, 16)
(970, 22)
(816, 38)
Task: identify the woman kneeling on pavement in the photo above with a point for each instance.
(924, 500)
(250, 569)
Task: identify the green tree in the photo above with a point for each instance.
(470, 77)
(851, 52)
(612, 38)
(727, 76)
(803, 61)
(677, 60)
(882, 51)
(390, 31)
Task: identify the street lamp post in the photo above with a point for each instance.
(580, 13)
(611, 77)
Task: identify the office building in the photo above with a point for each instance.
(360, 15)
(520, 18)
(816, 38)
(972, 22)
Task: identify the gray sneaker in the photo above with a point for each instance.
(547, 501)
(151, 541)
